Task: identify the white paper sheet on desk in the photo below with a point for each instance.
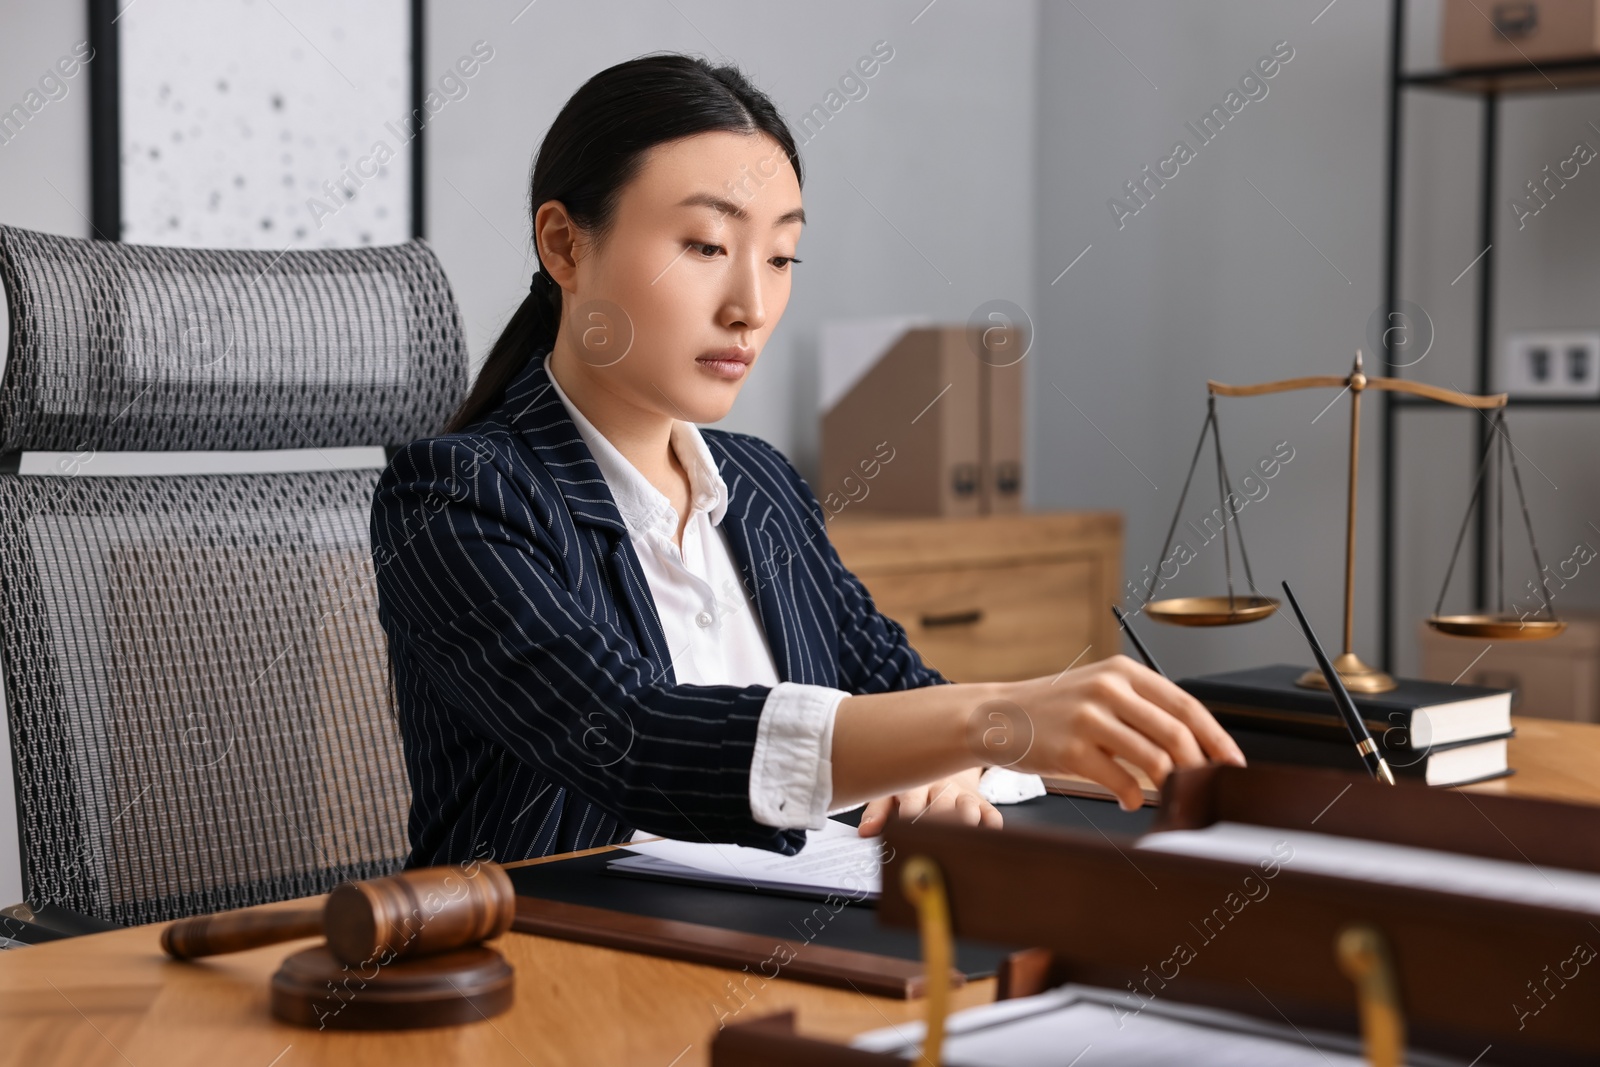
(1086, 1026)
(1378, 861)
(836, 860)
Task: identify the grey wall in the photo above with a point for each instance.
(1260, 260)
(979, 165)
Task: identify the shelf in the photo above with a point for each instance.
(1524, 77)
(1516, 403)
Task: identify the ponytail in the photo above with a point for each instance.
(532, 330)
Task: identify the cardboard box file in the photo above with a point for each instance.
(1495, 33)
(928, 427)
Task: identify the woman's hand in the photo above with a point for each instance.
(955, 798)
(1078, 720)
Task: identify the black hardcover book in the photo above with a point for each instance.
(1456, 763)
(1417, 715)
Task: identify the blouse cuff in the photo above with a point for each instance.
(791, 772)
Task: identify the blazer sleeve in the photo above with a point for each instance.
(473, 593)
(874, 654)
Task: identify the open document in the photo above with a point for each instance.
(1087, 1026)
(835, 862)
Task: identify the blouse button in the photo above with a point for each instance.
(704, 618)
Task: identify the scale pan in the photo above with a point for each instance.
(1211, 610)
(1496, 627)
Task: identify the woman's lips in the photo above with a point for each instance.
(727, 369)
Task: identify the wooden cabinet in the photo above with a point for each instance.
(994, 598)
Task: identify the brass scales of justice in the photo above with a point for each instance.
(1233, 608)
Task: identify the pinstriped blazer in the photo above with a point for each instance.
(538, 706)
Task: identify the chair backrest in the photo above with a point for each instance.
(197, 687)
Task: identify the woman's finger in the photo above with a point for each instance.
(1168, 694)
(991, 816)
(1170, 733)
(1098, 766)
(1117, 738)
(914, 801)
(875, 815)
(970, 807)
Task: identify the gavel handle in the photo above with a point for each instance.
(235, 931)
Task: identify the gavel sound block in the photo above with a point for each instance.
(401, 952)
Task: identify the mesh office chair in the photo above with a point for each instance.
(198, 693)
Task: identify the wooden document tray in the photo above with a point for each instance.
(1461, 963)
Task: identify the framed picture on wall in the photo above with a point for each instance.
(266, 124)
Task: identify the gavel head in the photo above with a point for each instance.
(417, 913)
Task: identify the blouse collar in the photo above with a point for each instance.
(642, 505)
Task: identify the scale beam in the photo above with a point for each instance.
(1393, 385)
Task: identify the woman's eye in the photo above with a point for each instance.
(781, 262)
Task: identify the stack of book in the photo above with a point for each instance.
(1429, 731)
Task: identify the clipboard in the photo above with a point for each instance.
(768, 933)
(1101, 917)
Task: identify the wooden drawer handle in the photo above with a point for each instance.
(954, 618)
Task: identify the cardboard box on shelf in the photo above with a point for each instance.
(916, 422)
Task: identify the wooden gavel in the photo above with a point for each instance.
(414, 913)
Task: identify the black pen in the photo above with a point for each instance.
(1138, 645)
(1366, 747)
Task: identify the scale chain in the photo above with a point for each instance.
(1211, 415)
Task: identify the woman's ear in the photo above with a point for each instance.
(557, 239)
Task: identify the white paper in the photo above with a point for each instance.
(1084, 1026)
(1377, 861)
(1002, 785)
(834, 860)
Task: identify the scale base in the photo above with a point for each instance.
(1356, 676)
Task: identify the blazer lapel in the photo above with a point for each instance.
(539, 416)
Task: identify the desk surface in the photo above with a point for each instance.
(1553, 759)
(114, 998)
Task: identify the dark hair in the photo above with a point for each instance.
(594, 147)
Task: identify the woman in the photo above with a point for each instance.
(604, 619)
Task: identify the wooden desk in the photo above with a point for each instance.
(115, 999)
(1553, 758)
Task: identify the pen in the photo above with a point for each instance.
(1138, 645)
(1366, 747)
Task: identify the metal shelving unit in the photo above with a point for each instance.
(1490, 84)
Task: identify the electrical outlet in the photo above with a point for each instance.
(1551, 364)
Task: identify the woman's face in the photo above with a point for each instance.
(697, 262)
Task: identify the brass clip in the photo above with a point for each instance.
(924, 887)
(1365, 959)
